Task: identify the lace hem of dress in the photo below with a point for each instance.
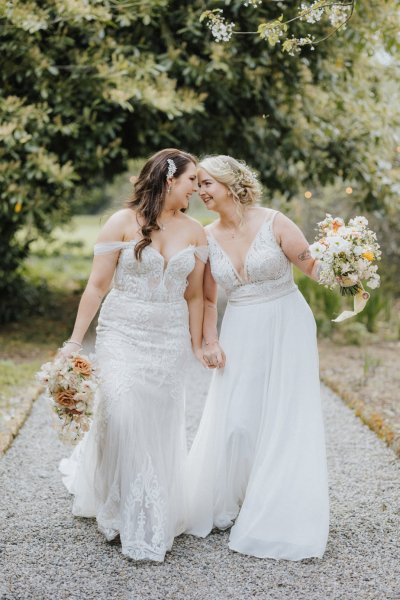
(142, 553)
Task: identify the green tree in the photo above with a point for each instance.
(70, 74)
(85, 85)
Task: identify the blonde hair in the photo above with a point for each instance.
(240, 180)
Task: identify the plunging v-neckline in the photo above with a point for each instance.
(244, 279)
(166, 262)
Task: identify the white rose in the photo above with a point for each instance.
(317, 250)
(353, 277)
(359, 222)
(374, 282)
(338, 244)
(345, 267)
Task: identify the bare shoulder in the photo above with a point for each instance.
(191, 222)
(286, 231)
(196, 229)
(281, 221)
(258, 214)
(116, 225)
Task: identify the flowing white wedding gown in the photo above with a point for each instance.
(258, 459)
(128, 471)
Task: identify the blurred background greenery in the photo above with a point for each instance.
(89, 89)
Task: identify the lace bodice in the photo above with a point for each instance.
(151, 279)
(267, 270)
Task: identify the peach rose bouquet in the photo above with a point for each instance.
(70, 382)
(347, 254)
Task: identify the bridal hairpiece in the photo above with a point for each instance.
(224, 168)
(171, 168)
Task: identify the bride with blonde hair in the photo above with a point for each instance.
(258, 460)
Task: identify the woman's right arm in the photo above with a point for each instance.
(98, 284)
(213, 353)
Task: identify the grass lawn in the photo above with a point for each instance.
(78, 237)
(60, 268)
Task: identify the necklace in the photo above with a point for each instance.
(233, 232)
(163, 226)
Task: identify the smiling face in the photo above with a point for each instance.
(182, 188)
(212, 192)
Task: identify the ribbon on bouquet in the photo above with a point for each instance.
(360, 300)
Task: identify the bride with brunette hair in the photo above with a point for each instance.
(128, 471)
(258, 460)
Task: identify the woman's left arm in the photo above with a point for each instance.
(195, 301)
(294, 244)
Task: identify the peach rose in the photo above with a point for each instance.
(82, 366)
(74, 411)
(65, 398)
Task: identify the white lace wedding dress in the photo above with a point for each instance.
(128, 470)
(258, 459)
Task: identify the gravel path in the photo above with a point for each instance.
(45, 553)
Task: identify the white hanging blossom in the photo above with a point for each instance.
(293, 45)
(272, 31)
(276, 31)
(220, 28)
(311, 13)
(338, 15)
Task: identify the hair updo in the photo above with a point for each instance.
(150, 188)
(240, 180)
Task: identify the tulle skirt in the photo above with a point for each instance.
(258, 460)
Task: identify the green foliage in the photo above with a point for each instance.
(325, 303)
(370, 364)
(378, 307)
(70, 73)
(14, 376)
(354, 333)
(84, 85)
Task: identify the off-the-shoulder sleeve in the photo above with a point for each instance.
(202, 253)
(109, 247)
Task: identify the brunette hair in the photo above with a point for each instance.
(150, 188)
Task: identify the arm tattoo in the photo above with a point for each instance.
(305, 255)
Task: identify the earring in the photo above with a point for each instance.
(169, 189)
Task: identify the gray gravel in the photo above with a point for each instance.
(46, 553)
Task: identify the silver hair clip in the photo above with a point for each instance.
(172, 168)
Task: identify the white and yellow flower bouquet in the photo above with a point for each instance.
(346, 254)
(71, 383)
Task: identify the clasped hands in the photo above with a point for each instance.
(212, 356)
